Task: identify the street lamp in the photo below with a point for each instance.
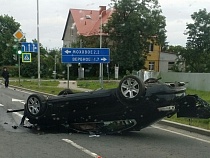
(101, 64)
(38, 49)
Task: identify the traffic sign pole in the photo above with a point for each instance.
(87, 55)
(38, 43)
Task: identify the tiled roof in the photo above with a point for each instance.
(88, 22)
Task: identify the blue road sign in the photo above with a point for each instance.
(29, 47)
(26, 57)
(85, 55)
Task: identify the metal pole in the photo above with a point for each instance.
(55, 67)
(38, 43)
(68, 75)
(80, 65)
(101, 64)
(19, 67)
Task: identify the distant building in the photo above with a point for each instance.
(168, 61)
(152, 61)
(85, 23)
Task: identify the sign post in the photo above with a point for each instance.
(86, 55)
(19, 53)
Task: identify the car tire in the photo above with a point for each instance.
(130, 88)
(65, 92)
(35, 106)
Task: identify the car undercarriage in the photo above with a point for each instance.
(131, 106)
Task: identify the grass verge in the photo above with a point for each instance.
(50, 87)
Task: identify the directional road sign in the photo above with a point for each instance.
(29, 47)
(85, 55)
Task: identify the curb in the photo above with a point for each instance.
(185, 127)
(25, 89)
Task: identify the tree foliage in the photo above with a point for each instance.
(8, 27)
(197, 53)
(132, 26)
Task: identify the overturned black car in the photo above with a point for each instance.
(131, 106)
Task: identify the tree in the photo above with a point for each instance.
(197, 53)
(132, 26)
(8, 27)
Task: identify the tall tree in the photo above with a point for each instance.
(197, 52)
(132, 26)
(8, 27)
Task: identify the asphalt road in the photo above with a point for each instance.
(156, 141)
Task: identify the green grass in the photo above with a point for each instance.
(93, 84)
(51, 87)
(45, 86)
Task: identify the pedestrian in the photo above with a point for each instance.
(5, 75)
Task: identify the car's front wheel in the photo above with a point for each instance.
(130, 88)
(35, 106)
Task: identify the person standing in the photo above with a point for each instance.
(5, 75)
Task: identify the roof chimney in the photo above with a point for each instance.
(102, 8)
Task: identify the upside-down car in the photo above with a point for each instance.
(131, 106)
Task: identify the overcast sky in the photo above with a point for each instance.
(53, 15)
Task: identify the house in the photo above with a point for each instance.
(85, 23)
(169, 60)
(89, 22)
(153, 58)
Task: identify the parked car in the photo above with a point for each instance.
(131, 106)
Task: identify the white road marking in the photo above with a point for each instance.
(19, 115)
(81, 148)
(18, 100)
(1, 105)
(206, 141)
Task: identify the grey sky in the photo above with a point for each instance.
(53, 15)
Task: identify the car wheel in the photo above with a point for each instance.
(35, 106)
(131, 88)
(65, 92)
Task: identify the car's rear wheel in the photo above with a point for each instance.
(65, 92)
(35, 106)
(130, 88)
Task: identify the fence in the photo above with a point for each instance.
(197, 81)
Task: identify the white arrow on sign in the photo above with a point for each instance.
(18, 100)
(103, 59)
(67, 51)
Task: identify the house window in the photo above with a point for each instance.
(170, 65)
(151, 47)
(151, 65)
